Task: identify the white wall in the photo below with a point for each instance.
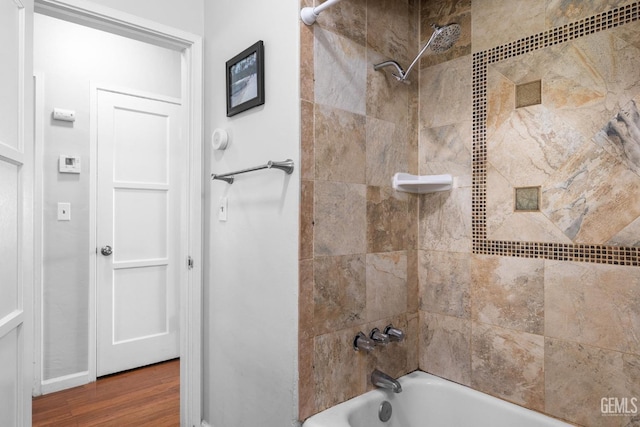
(70, 57)
(182, 14)
(251, 283)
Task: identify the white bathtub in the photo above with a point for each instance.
(430, 401)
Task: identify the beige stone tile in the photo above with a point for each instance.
(340, 219)
(339, 371)
(534, 143)
(340, 141)
(508, 364)
(497, 22)
(413, 22)
(508, 292)
(630, 32)
(594, 77)
(593, 304)
(306, 303)
(388, 28)
(412, 228)
(561, 12)
(387, 98)
(347, 18)
(445, 283)
(307, 141)
(307, 68)
(445, 93)
(578, 377)
(592, 197)
(628, 236)
(306, 383)
(339, 293)
(386, 151)
(503, 223)
(413, 132)
(340, 72)
(445, 347)
(386, 294)
(445, 221)
(306, 219)
(447, 150)
(387, 220)
(412, 334)
(433, 9)
(413, 282)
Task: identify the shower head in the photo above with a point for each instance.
(442, 39)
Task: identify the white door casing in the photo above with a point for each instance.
(97, 16)
(16, 211)
(141, 230)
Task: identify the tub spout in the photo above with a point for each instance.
(382, 380)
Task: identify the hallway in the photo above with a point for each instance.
(140, 397)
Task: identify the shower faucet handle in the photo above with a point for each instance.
(378, 337)
(362, 343)
(394, 333)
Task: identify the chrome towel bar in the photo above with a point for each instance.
(286, 166)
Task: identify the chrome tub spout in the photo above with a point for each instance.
(382, 380)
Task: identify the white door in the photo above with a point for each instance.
(16, 209)
(141, 210)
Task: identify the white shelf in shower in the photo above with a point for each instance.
(422, 183)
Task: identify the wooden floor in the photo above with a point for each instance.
(147, 396)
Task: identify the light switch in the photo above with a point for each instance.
(64, 211)
(222, 209)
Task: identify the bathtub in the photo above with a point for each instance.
(430, 401)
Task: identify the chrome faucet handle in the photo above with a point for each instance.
(394, 333)
(362, 343)
(378, 337)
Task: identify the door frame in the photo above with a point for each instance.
(191, 47)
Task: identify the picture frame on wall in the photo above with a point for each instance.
(245, 79)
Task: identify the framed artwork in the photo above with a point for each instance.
(245, 80)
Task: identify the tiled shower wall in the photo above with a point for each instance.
(552, 335)
(358, 255)
(548, 334)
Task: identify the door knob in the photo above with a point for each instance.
(106, 250)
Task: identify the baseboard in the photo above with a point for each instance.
(65, 382)
(205, 424)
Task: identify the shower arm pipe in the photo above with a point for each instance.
(286, 166)
(310, 14)
(424, 48)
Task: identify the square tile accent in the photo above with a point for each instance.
(527, 199)
(529, 94)
(600, 254)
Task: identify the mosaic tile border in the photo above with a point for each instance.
(602, 254)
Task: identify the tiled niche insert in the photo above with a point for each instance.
(595, 253)
(528, 94)
(527, 199)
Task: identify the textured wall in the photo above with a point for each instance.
(552, 335)
(358, 237)
(251, 275)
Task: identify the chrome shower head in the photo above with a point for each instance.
(442, 39)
